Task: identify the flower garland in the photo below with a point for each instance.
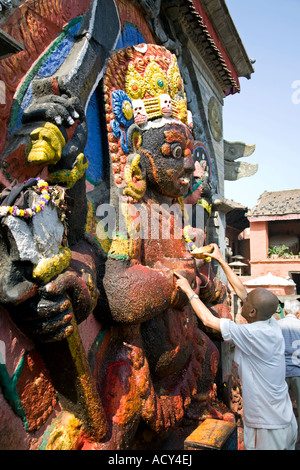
(43, 188)
(206, 205)
(189, 242)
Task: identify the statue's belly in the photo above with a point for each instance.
(168, 341)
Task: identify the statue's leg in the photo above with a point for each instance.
(121, 383)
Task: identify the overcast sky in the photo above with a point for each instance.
(267, 110)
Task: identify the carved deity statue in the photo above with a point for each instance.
(159, 362)
(158, 359)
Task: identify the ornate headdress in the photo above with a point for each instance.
(142, 83)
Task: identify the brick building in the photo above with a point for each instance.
(274, 241)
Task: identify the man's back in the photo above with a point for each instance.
(260, 355)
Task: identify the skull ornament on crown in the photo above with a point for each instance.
(139, 111)
(142, 83)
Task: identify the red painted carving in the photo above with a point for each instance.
(37, 394)
(35, 24)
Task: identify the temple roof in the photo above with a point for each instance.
(210, 27)
(277, 203)
(222, 22)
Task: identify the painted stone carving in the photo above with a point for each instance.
(156, 363)
(215, 119)
(234, 170)
(49, 277)
(156, 345)
(200, 192)
(47, 288)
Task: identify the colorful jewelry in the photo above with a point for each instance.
(43, 188)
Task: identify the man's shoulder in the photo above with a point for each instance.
(237, 328)
(288, 320)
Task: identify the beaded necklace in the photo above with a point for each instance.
(43, 189)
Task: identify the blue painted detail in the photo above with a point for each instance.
(47, 65)
(130, 36)
(61, 53)
(93, 149)
(118, 99)
(25, 103)
(120, 134)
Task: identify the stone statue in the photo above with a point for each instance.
(158, 363)
(156, 345)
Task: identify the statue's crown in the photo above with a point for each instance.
(155, 84)
(142, 83)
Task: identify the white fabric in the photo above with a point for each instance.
(271, 439)
(290, 327)
(259, 352)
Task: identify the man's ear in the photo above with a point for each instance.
(134, 136)
(253, 313)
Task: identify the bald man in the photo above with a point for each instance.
(269, 421)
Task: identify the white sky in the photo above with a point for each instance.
(267, 111)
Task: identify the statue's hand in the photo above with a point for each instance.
(79, 289)
(49, 316)
(60, 110)
(45, 320)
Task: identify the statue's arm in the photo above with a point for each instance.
(137, 293)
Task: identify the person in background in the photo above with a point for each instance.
(290, 327)
(269, 420)
(298, 313)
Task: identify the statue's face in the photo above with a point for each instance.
(46, 145)
(167, 153)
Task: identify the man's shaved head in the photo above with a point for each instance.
(264, 301)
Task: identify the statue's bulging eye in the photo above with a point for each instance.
(177, 151)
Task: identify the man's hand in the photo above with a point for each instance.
(232, 277)
(202, 312)
(216, 254)
(183, 284)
